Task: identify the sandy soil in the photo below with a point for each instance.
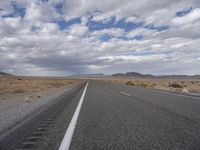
(32, 86)
(188, 86)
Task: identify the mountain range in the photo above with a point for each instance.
(139, 75)
(4, 74)
(88, 75)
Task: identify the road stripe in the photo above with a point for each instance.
(125, 93)
(170, 93)
(70, 130)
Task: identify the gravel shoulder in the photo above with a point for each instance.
(17, 108)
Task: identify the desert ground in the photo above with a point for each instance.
(188, 86)
(13, 85)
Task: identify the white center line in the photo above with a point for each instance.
(125, 93)
(70, 130)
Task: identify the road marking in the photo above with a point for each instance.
(170, 93)
(125, 93)
(70, 130)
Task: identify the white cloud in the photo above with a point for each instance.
(142, 31)
(78, 29)
(113, 32)
(50, 50)
(131, 19)
(189, 18)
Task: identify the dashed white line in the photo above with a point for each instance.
(70, 130)
(125, 93)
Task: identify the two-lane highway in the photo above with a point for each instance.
(114, 116)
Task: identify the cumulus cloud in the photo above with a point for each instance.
(189, 18)
(62, 37)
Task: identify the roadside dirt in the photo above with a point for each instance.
(31, 87)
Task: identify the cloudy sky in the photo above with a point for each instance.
(64, 37)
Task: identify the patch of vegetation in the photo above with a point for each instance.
(18, 91)
(185, 85)
(142, 85)
(175, 85)
(129, 83)
(151, 85)
(70, 82)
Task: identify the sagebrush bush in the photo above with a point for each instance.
(129, 83)
(142, 84)
(175, 85)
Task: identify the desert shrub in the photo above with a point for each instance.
(185, 85)
(18, 91)
(70, 82)
(142, 85)
(152, 85)
(175, 85)
(55, 84)
(129, 83)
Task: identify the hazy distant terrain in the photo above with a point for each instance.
(4, 74)
(139, 75)
(88, 75)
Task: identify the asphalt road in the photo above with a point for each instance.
(115, 116)
(118, 117)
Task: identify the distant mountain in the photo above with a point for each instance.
(88, 75)
(4, 74)
(133, 74)
(139, 75)
(180, 76)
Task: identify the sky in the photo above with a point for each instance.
(65, 37)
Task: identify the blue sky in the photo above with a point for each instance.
(63, 37)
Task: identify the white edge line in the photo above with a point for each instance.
(70, 130)
(170, 93)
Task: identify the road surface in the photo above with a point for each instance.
(116, 116)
